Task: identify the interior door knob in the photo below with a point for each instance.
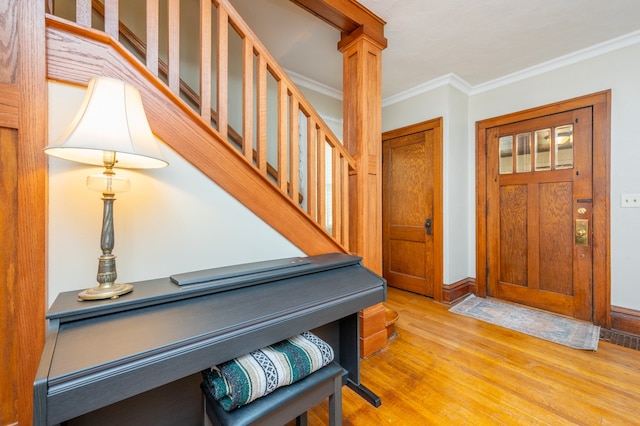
(427, 226)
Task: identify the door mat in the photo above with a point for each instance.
(554, 328)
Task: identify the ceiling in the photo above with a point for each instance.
(478, 41)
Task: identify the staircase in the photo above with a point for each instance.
(276, 126)
(237, 117)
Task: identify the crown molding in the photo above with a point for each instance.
(331, 119)
(463, 86)
(446, 80)
(562, 61)
(314, 85)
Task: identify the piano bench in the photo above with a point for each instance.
(286, 403)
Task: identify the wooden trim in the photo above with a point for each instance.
(83, 12)
(373, 329)
(359, 33)
(282, 141)
(111, 18)
(312, 167)
(601, 104)
(29, 289)
(153, 17)
(9, 261)
(601, 208)
(438, 200)
(321, 181)
(625, 319)
(346, 16)
(294, 146)
(223, 73)
(451, 293)
(261, 119)
(205, 60)
(362, 74)
(365, 35)
(248, 122)
(9, 105)
(8, 265)
(173, 46)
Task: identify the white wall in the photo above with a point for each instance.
(173, 220)
(615, 67)
(449, 103)
(619, 71)
(329, 109)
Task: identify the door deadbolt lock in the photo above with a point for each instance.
(582, 232)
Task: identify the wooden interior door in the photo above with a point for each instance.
(539, 212)
(411, 219)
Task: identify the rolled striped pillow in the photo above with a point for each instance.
(244, 379)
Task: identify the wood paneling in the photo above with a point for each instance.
(9, 105)
(513, 234)
(8, 271)
(555, 238)
(23, 191)
(9, 38)
(362, 77)
(447, 369)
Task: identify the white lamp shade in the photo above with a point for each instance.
(111, 118)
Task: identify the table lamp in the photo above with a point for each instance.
(110, 130)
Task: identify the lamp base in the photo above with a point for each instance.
(112, 291)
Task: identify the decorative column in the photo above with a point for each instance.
(362, 94)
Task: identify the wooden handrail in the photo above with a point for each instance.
(258, 66)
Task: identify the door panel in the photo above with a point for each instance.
(556, 238)
(538, 187)
(513, 226)
(408, 197)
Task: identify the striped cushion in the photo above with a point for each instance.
(246, 378)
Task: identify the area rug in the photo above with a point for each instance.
(555, 328)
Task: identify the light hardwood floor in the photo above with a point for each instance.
(447, 369)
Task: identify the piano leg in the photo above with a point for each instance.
(364, 393)
(350, 358)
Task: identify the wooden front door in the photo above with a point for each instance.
(411, 203)
(539, 212)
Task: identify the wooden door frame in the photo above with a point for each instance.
(438, 209)
(601, 104)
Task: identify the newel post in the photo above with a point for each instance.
(362, 94)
